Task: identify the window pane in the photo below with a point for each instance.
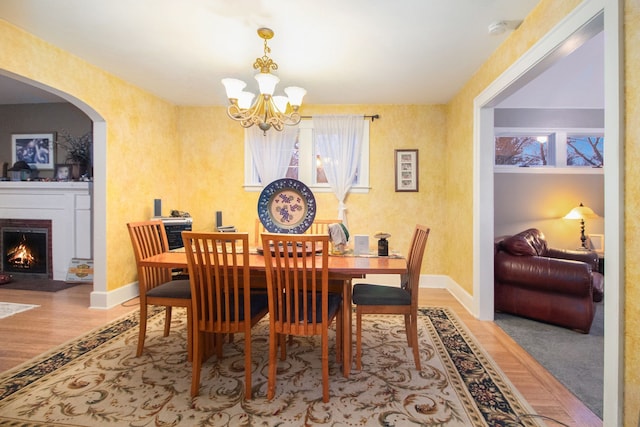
(583, 150)
(321, 177)
(294, 163)
(522, 150)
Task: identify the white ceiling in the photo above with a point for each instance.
(576, 81)
(342, 52)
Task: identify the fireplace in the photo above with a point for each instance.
(25, 246)
(65, 206)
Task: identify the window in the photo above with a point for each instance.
(575, 150)
(585, 150)
(306, 165)
(524, 150)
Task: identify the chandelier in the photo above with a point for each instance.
(267, 111)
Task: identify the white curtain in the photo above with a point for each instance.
(338, 141)
(271, 152)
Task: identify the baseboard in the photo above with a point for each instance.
(106, 300)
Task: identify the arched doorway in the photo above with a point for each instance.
(36, 89)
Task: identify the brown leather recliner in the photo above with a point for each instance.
(551, 285)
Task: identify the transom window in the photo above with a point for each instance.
(557, 149)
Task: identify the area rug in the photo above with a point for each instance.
(9, 308)
(97, 380)
(43, 285)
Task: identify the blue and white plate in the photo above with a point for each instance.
(286, 206)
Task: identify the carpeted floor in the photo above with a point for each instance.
(97, 380)
(575, 359)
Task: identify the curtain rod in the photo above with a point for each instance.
(372, 117)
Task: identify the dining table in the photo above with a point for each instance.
(343, 268)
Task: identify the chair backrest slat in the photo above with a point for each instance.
(319, 226)
(411, 281)
(297, 273)
(220, 277)
(149, 238)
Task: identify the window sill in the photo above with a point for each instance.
(550, 170)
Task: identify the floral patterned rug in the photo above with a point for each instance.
(97, 380)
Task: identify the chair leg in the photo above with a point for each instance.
(247, 364)
(339, 332)
(219, 342)
(142, 329)
(273, 363)
(283, 345)
(407, 328)
(197, 363)
(325, 364)
(358, 338)
(414, 341)
(167, 320)
(189, 334)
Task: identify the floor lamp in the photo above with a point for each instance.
(581, 212)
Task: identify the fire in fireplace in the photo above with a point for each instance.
(25, 250)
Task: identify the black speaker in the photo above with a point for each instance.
(157, 207)
(218, 219)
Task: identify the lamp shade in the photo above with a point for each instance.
(267, 83)
(295, 95)
(581, 212)
(233, 87)
(245, 99)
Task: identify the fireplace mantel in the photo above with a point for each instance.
(66, 204)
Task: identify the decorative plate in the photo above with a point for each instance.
(286, 206)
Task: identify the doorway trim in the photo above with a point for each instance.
(529, 65)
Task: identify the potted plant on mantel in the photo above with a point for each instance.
(78, 150)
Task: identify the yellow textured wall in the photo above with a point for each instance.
(157, 150)
(143, 159)
(632, 214)
(459, 155)
(213, 148)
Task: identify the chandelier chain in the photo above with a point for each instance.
(265, 64)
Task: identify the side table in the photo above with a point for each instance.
(601, 263)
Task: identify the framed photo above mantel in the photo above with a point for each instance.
(406, 170)
(36, 149)
(63, 172)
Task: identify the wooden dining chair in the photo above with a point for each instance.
(321, 226)
(222, 299)
(384, 299)
(300, 303)
(156, 285)
(318, 226)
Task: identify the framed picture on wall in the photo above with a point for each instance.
(596, 242)
(406, 170)
(34, 148)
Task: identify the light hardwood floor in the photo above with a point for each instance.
(65, 315)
